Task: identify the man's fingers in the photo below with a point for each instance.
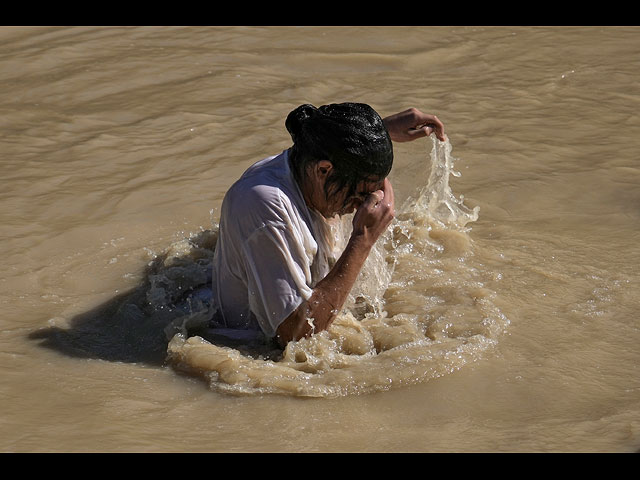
(376, 212)
(374, 198)
(419, 132)
(426, 130)
(383, 198)
(388, 192)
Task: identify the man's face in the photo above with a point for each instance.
(331, 202)
(339, 204)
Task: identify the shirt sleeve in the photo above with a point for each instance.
(277, 271)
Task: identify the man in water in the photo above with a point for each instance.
(274, 268)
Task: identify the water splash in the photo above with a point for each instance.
(419, 310)
(437, 197)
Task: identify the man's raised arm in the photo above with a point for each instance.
(316, 314)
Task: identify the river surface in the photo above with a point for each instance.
(499, 314)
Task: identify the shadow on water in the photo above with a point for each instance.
(117, 330)
(131, 326)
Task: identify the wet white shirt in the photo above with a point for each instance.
(271, 251)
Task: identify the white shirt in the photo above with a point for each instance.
(271, 250)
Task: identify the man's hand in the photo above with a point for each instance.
(375, 214)
(412, 124)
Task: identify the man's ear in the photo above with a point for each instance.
(323, 168)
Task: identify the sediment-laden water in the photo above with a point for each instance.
(498, 314)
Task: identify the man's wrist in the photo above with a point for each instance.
(361, 243)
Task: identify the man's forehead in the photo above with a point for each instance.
(371, 184)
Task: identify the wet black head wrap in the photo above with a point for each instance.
(350, 135)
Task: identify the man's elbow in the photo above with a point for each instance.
(297, 325)
(289, 329)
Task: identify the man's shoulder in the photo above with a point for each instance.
(266, 181)
(263, 193)
(255, 191)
